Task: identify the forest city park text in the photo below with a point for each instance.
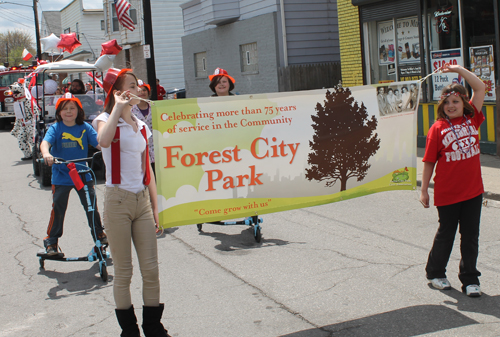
(226, 156)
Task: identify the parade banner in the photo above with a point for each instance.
(221, 158)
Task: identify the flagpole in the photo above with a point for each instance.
(148, 39)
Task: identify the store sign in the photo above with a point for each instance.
(438, 59)
(443, 20)
(481, 63)
(410, 72)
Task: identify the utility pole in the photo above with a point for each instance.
(148, 38)
(37, 32)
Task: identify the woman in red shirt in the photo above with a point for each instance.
(453, 148)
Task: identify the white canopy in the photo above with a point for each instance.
(67, 66)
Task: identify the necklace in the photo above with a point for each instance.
(467, 121)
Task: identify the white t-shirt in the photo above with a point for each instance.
(132, 145)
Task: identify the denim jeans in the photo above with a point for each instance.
(467, 214)
(60, 196)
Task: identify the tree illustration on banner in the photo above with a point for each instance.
(343, 141)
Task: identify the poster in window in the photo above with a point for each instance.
(482, 64)
(410, 72)
(408, 42)
(386, 42)
(440, 58)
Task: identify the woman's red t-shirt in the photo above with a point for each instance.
(458, 167)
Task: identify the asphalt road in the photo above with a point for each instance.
(353, 268)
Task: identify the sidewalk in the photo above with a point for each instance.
(490, 168)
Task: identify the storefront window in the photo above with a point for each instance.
(479, 42)
(469, 42)
(444, 24)
(394, 53)
(382, 48)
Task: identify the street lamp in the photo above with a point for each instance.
(37, 33)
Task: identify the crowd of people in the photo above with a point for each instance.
(123, 132)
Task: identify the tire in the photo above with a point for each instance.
(46, 173)
(200, 227)
(258, 235)
(36, 165)
(2, 123)
(42, 263)
(103, 271)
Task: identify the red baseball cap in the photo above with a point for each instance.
(110, 79)
(221, 72)
(68, 97)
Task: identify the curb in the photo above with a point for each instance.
(486, 194)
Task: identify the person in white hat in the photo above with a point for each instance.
(221, 83)
(130, 204)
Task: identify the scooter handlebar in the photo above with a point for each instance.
(58, 160)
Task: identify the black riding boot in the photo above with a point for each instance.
(128, 322)
(151, 322)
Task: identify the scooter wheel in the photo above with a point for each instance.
(200, 226)
(258, 235)
(42, 263)
(103, 272)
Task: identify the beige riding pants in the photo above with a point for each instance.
(128, 218)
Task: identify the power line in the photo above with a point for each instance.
(17, 22)
(16, 14)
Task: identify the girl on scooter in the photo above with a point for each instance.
(130, 204)
(68, 139)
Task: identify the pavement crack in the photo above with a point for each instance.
(24, 227)
(33, 242)
(80, 331)
(33, 181)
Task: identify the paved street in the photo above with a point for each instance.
(352, 268)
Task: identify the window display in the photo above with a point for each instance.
(481, 63)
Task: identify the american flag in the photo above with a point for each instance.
(122, 7)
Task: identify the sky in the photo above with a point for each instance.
(18, 14)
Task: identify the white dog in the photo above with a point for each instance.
(23, 127)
